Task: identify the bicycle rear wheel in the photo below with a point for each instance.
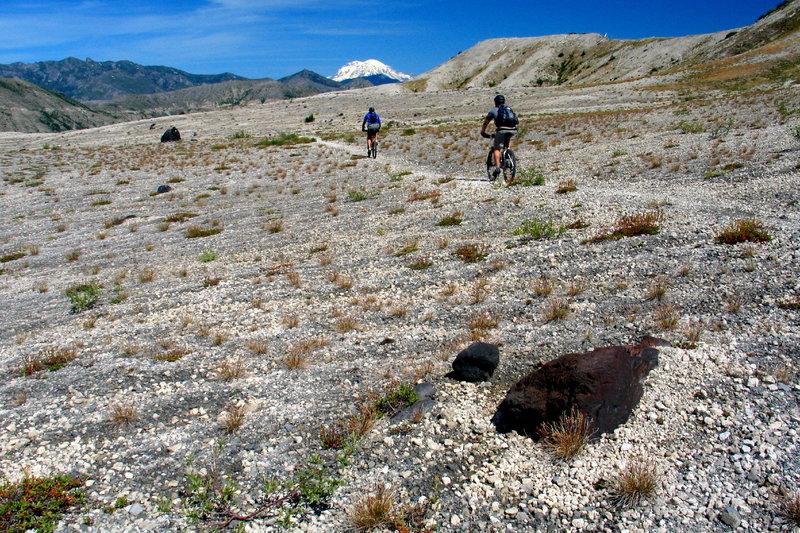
(374, 151)
(490, 165)
(510, 165)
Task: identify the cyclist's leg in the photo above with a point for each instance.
(499, 139)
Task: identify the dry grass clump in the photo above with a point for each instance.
(569, 185)
(258, 346)
(147, 275)
(542, 286)
(637, 481)
(291, 320)
(567, 436)
(483, 321)
(657, 290)
(348, 431)
(432, 195)
(342, 280)
(577, 287)
(555, 309)
(231, 369)
(790, 506)
(666, 316)
(233, 418)
(744, 230)
(194, 232)
(297, 356)
(375, 510)
(121, 414)
(346, 323)
(294, 278)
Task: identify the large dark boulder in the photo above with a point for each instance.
(476, 363)
(605, 384)
(171, 135)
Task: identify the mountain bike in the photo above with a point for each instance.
(508, 162)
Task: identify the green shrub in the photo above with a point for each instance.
(207, 257)
(83, 296)
(13, 256)
(536, 229)
(194, 232)
(632, 225)
(309, 118)
(451, 220)
(409, 131)
(37, 503)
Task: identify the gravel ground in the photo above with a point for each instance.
(313, 259)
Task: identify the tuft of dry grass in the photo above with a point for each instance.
(472, 253)
(147, 275)
(231, 369)
(657, 290)
(483, 321)
(542, 286)
(345, 323)
(258, 346)
(555, 309)
(375, 510)
(122, 414)
(291, 320)
(790, 506)
(647, 223)
(567, 436)
(637, 481)
(294, 279)
(233, 418)
(666, 316)
(577, 287)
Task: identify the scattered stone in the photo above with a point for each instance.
(171, 135)
(163, 188)
(476, 363)
(605, 384)
(731, 517)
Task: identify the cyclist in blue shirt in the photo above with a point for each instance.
(371, 124)
(503, 132)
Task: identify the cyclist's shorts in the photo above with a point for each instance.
(502, 138)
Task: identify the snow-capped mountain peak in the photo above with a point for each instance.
(370, 67)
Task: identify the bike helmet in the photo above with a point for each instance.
(499, 99)
(371, 109)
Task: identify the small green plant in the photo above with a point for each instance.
(399, 175)
(358, 195)
(83, 296)
(567, 436)
(309, 118)
(555, 309)
(13, 256)
(395, 400)
(420, 264)
(637, 481)
(619, 153)
(691, 127)
(207, 257)
(408, 131)
(536, 229)
(743, 230)
(454, 219)
(528, 177)
(37, 503)
(241, 134)
(119, 503)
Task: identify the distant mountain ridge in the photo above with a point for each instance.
(90, 81)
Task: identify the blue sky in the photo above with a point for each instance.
(275, 38)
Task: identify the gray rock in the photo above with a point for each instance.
(731, 516)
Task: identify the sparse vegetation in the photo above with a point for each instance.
(637, 481)
(744, 230)
(37, 503)
(83, 296)
(567, 436)
(471, 253)
(632, 225)
(537, 229)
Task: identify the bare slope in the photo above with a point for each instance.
(590, 58)
(27, 107)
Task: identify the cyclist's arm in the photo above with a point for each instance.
(486, 124)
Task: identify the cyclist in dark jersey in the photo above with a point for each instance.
(371, 124)
(502, 135)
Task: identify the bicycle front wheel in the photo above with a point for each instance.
(510, 165)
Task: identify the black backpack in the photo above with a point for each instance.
(506, 118)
